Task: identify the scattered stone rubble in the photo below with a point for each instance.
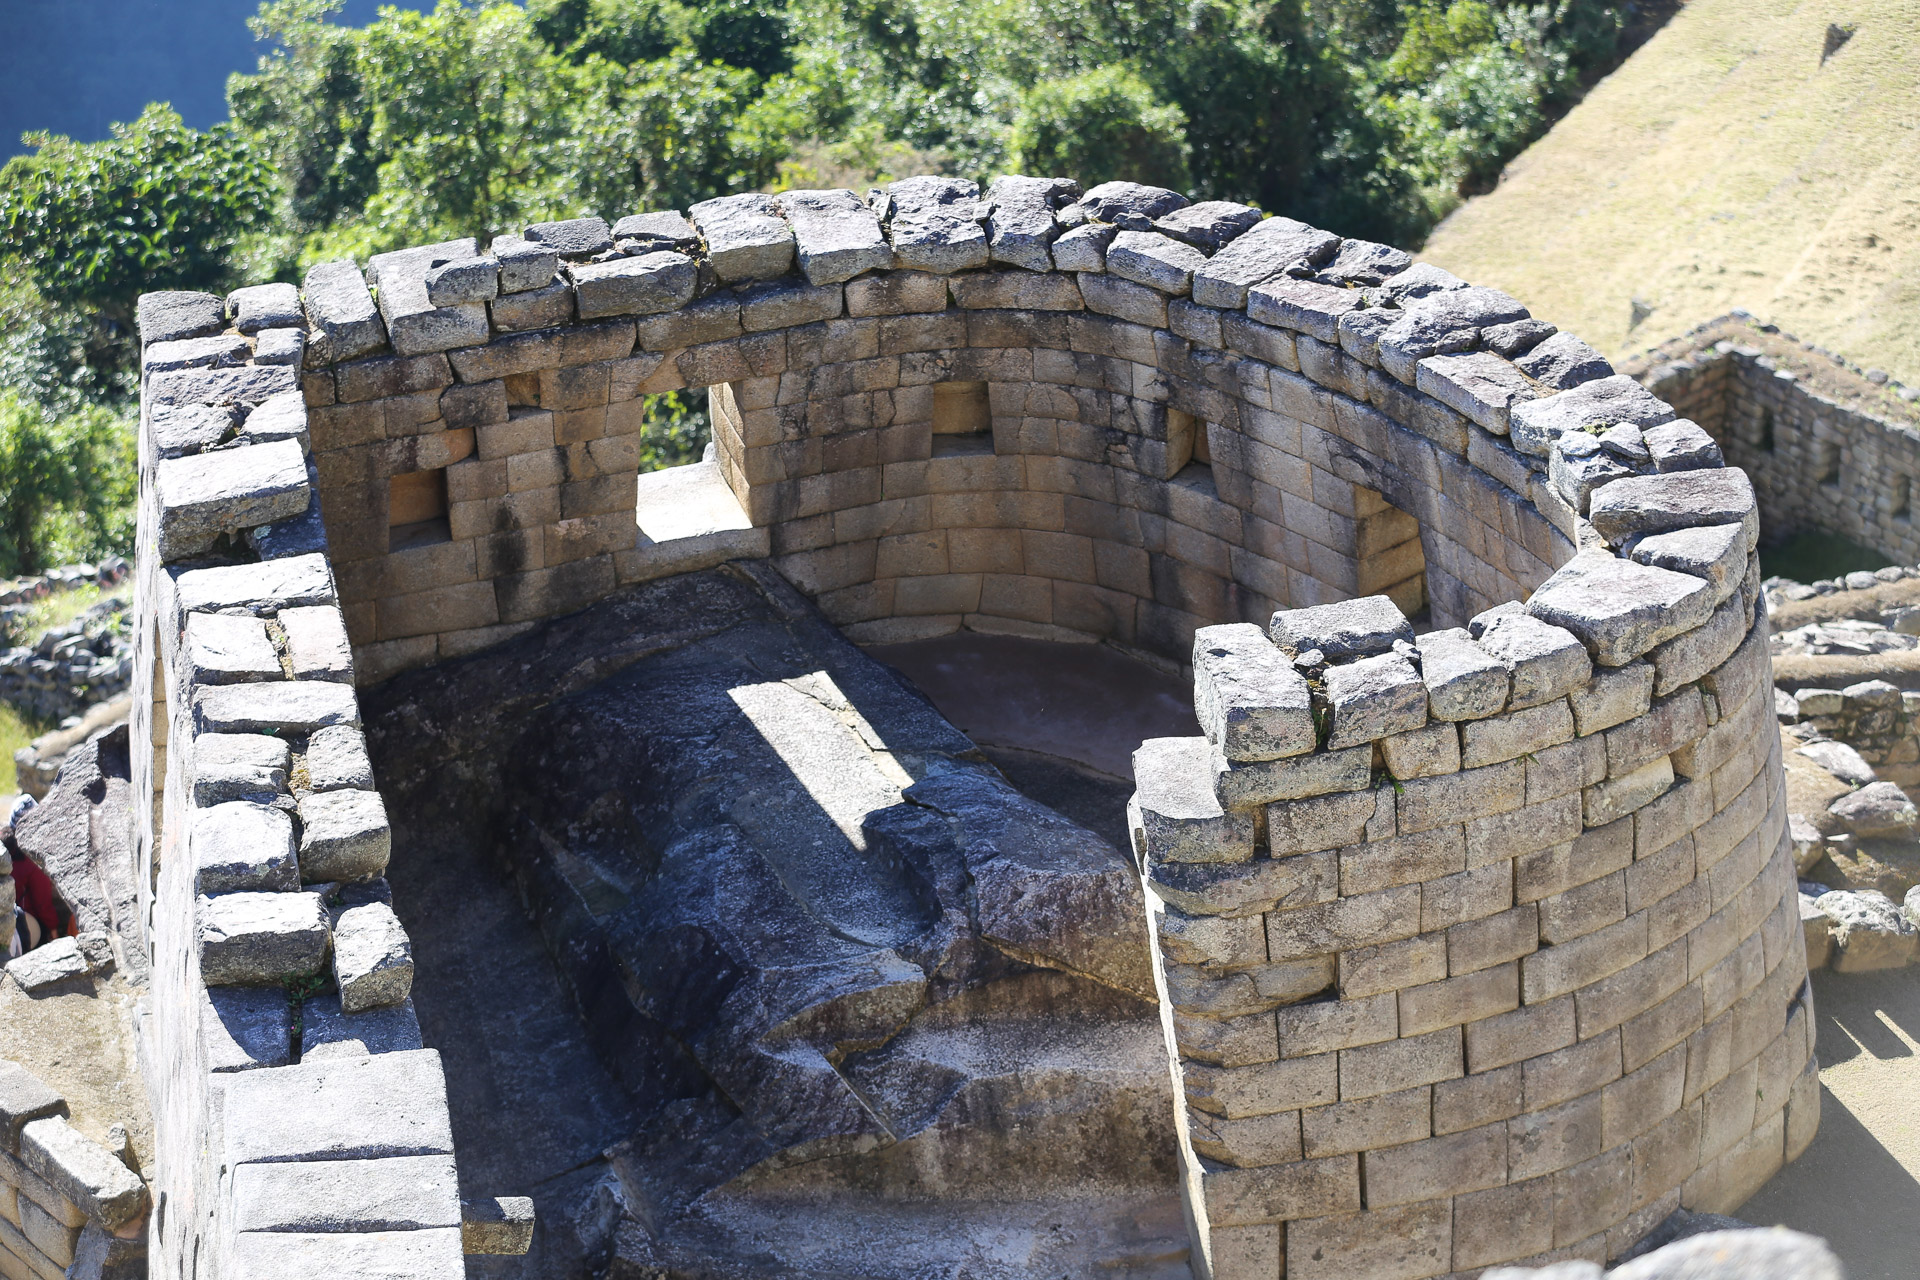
(55, 676)
(69, 1208)
(1533, 979)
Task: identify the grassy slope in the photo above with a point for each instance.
(1723, 166)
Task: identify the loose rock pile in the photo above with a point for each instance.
(71, 667)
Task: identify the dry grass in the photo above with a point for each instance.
(1724, 165)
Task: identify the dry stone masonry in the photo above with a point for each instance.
(1476, 941)
(68, 1206)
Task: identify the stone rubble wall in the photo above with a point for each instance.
(1829, 448)
(69, 1208)
(301, 1128)
(1436, 997)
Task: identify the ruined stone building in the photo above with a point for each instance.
(1461, 931)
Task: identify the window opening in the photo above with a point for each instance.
(1387, 547)
(417, 509)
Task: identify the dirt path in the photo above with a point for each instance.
(1859, 1183)
(78, 1038)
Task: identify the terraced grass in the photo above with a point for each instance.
(1726, 164)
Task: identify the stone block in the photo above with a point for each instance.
(465, 280)
(1615, 798)
(1424, 803)
(1084, 248)
(1322, 1026)
(1262, 253)
(253, 939)
(23, 1099)
(1124, 300)
(1246, 888)
(324, 1255)
(1373, 698)
(1251, 782)
(1251, 703)
(83, 1171)
(496, 1225)
(1464, 681)
(1517, 733)
(1480, 385)
(262, 588)
(372, 957)
(1399, 1243)
(343, 836)
(1543, 661)
(1682, 446)
(317, 646)
(245, 386)
(238, 766)
(328, 1034)
(572, 237)
(1655, 504)
(172, 315)
(399, 1193)
(244, 1028)
(1174, 813)
(296, 706)
(1319, 822)
(414, 325)
(203, 497)
(836, 234)
(1613, 696)
(1342, 631)
(646, 285)
(1424, 753)
(1346, 1127)
(1266, 1088)
(1233, 1197)
(1020, 218)
(1405, 1063)
(1305, 306)
(1537, 424)
(1620, 609)
(225, 649)
(240, 845)
(1869, 931)
(1155, 260)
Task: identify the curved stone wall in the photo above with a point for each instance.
(1474, 947)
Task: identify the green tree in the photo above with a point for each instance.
(156, 206)
(66, 485)
(1100, 125)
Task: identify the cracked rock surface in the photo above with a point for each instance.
(854, 1005)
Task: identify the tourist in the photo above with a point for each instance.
(38, 913)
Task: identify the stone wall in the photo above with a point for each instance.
(1076, 454)
(1830, 447)
(301, 1128)
(68, 1206)
(1472, 948)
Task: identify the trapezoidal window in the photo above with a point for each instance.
(1387, 549)
(417, 509)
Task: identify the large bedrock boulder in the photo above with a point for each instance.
(812, 931)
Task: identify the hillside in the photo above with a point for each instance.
(1726, 164)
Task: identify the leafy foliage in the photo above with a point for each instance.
(158, 206)
(676, 429)
(66, 486)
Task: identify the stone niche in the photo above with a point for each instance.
(1474, 945)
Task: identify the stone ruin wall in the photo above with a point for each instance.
(1828, 447)
(1482, 947)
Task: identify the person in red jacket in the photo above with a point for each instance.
(38, 913)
